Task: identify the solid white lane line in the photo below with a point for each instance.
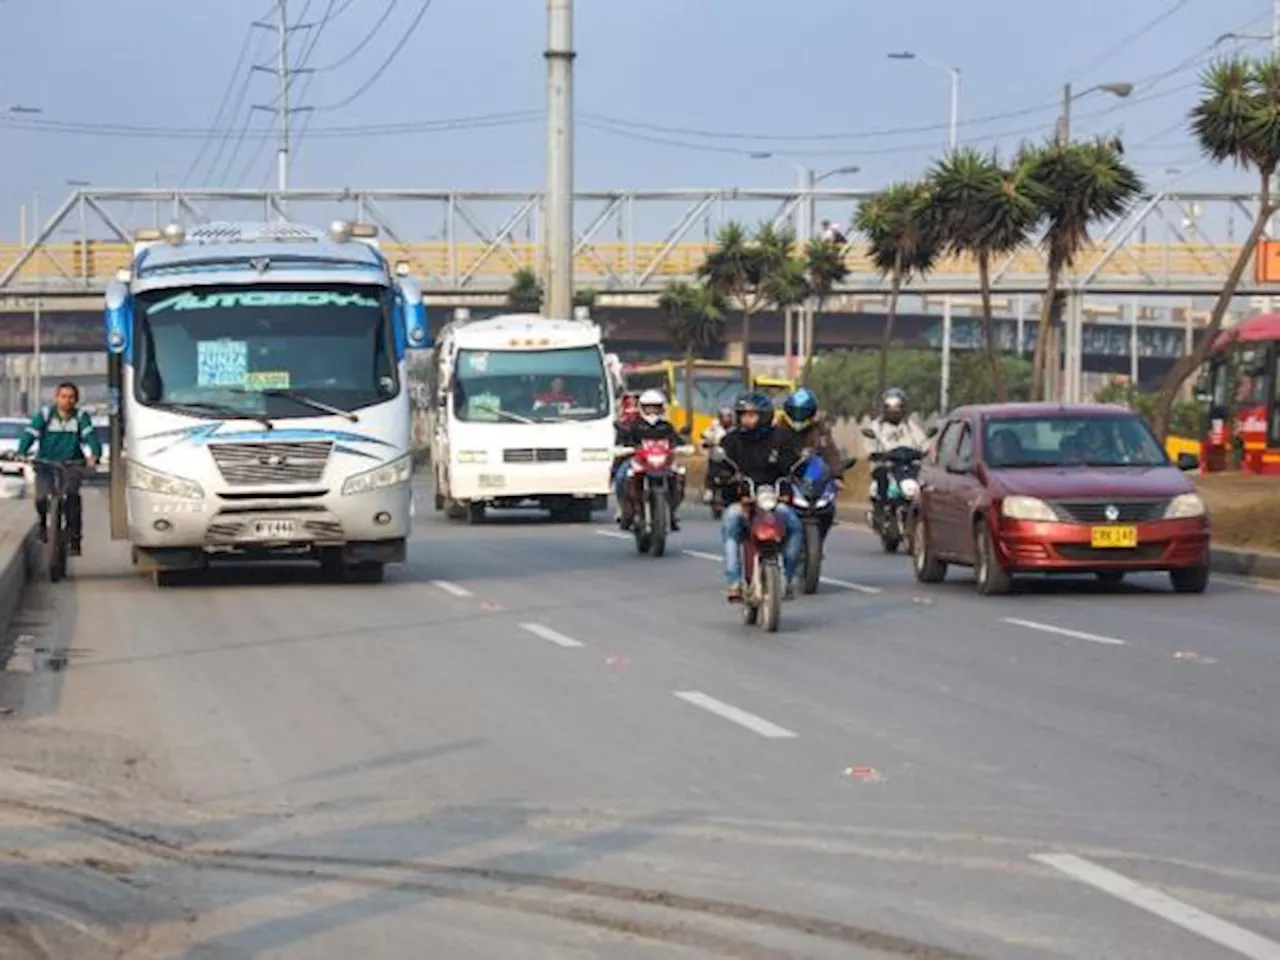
(546, 633)
(846, 585)
(731, 713)
(1167, 908)
(616, 534)
(1063, 631)
(451, 588)
(702, 556)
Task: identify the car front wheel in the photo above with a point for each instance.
(1190, 579)
(928, 568)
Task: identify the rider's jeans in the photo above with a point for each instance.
(71, 487)
(733, 527)
(619, 479)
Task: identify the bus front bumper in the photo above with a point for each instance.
(510, 482)
(214, 525)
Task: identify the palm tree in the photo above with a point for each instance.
(1079, 184)
(824, 268)
(904, 242)
(744, 271)
(1234, 120)
(694, 322)
(525, 293)
(986, 210)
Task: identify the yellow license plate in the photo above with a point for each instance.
(1113, 537)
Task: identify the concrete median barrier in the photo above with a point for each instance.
(17, 539)
(1256, 564)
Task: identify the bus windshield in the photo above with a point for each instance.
(711, 391)
(265, 351)
(530, 386)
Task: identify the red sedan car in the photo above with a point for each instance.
(1050, 488)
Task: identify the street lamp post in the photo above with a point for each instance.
(805, 215)
(1072, 386)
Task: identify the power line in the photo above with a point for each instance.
(354, 51)
(222, 107)
(377, 74)
(1125, 42)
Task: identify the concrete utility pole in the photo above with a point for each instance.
(558, 242)
(284, 75)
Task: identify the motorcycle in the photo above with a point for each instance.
(716, 494)
(763, 581)
(893, 518)
(813, 496)
(653, 478)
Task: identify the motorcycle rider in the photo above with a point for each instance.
(893, 429)
(652, 424)
(802, 419)
(765, 455)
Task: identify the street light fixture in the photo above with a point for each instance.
(952, 140)
(1117, 88)
(20, 108)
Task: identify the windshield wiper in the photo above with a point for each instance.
(508, 415)
(307, 401)
(222, 410)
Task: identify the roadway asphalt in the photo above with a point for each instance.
(532, 742)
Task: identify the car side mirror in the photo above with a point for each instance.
(868, 433)
(931, 432)
(847, 463)
(1188, 462)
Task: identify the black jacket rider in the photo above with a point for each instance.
(765, 456)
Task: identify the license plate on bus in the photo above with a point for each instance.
(274, 529)
(1113, 537)
(492, 481)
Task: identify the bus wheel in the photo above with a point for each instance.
(455, 510)
(475, 512)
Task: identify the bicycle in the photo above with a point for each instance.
(59, 538)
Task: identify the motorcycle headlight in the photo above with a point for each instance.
(910, 488)
(153, 481)
(1185, 506)
(799, 499)
(767, 499)
(387, 475)
(1027, 508)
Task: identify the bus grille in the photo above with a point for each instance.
(535, 455)
(247, 464)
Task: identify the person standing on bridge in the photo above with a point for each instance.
(62, 432)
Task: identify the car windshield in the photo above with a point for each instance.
(12, 429)
(530, 386)
(1071, 441)
(245, 348)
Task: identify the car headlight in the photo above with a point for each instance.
(1185, 506)
(153, 481)
(387, 475)
(767, 499)
(1027, 508)
(472, 456)
(597, 453)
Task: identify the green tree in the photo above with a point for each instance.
(904, 242)
(586, 297)
(1079, 185)
(695, 322)
(1237, 120)
(824, 268)
(525, 294)
(985, 209)
(748, 273)
(1184, 419)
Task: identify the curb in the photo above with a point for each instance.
(17, 562)
(1244, 563)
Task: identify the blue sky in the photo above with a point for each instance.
(772, 72)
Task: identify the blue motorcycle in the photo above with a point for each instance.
(813, 497)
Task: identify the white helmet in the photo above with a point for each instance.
(653, 406)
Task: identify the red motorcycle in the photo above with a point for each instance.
(655, 481)
(762, 568)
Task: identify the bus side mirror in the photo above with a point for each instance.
(119, 319)
(415, 314)
(931, 432)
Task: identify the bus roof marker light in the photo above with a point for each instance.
(403, 268)
(147, 235)
(174, 235)
(364, 231)
(123, 275)
(340, 231)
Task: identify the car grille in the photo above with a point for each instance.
(246, 464)
(535, 455)
(1095, 511)
(1083, 553)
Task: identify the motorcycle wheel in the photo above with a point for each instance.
(660, 511)
(771, 596)
(891, 534)
(812, 557)
(750, 606)
(717, 510)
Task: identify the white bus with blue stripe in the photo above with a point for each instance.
(259, 398)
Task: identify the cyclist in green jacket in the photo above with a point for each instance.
(62, 432)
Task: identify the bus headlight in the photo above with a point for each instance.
(153, 481)
(596, 453)
(387, 475)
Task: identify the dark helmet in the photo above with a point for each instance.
(893, 405)
(754, 402)
(801, 406)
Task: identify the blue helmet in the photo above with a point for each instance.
(801, 406)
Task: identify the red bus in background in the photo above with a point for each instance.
(1243, 387)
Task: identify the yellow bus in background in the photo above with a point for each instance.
(716, 383)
